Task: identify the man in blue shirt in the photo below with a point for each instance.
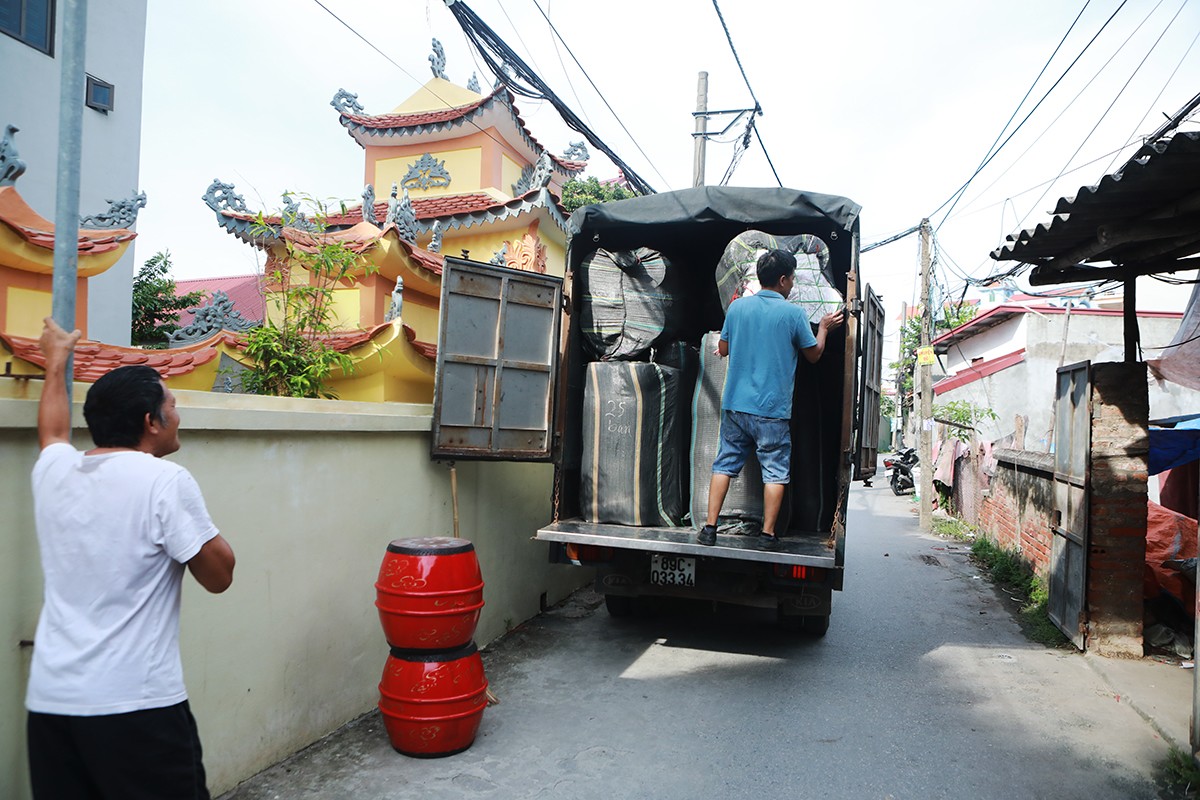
(762, 336)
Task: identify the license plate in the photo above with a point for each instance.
(672, 570)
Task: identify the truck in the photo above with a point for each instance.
(512, 378)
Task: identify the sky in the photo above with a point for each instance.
(893, 105)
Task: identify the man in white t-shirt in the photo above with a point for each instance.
(108, 711)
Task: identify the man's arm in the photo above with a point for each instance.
(722, 348)
(212, 567)
(828, 322)
(54, 409)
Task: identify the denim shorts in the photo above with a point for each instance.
(770, 439)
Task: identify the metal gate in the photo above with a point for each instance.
(870, 382)
(1072, 453)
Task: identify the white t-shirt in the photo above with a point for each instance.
(114, 532)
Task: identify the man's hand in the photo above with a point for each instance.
(54, 409)
(56, 344)
(831, 321)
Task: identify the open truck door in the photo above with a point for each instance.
(870, 384)
(494, 392)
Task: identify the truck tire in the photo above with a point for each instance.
(619, 605)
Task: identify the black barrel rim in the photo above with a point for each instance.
(430, 546)
(434, 656)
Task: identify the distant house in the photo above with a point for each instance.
(1006, 359)
(30, 53)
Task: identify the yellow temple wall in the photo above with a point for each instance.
(308, 493)
(461, 162)
(510, 173)
(25, 300)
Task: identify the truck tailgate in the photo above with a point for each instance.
(814, 550)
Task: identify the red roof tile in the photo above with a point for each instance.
(39, 231)
(245, 291)
(95, 359)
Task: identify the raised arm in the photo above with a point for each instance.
(54, 409)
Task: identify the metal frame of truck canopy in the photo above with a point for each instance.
(692, 228)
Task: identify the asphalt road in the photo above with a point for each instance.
(923, 688)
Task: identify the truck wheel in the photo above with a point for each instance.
(619, 605)
(816, 626)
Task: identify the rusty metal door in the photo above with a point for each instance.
(1069, 545)
(870, 383)
(497, 363)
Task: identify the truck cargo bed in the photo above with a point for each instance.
(813, 549)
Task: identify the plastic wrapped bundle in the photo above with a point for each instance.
(745, 498)
(628, 303)
(630, 470)
(684, 357)
(737, 274)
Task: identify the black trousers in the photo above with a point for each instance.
(143, 755)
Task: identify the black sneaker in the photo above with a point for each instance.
(767, 541)
(707, 535)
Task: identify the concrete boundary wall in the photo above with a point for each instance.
(308, 493)
(1017, 506)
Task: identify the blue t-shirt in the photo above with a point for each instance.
(765, 334)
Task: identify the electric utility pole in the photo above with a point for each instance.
(700, 137)
(898, 428)
(924, 371)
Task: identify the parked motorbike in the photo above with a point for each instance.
(901, 464)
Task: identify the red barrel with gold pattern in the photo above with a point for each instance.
(429, 593)
(432, 702)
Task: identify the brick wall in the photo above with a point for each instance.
(1117, 508)
(1015, 508)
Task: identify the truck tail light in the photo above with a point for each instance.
(799, 572)
(588, 553)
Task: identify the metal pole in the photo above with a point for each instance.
(70, 146)
(898, 431)
(925, 371)
(1132, 336)
(700, 143)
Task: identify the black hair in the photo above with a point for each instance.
(773, 265)
(117, 405)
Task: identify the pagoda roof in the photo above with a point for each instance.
(453, 211)
(34, 244)
(495, 110)
(95, 359)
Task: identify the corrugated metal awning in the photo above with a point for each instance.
(1144, 218)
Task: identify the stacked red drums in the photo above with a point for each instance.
(429, 595)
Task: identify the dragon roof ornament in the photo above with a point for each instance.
(346, 103)
(120, 214)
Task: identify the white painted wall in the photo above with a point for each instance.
(308, 493)
(29, 97)
(1054, 340)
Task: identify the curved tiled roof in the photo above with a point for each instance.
(95, 359)
(421, 122)
(454, 211)
(39, 231)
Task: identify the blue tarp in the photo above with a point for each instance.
(1174, 447)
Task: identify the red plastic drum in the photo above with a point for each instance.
(432, 702)
(429, 593)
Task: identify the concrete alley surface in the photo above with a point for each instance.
(924, 687)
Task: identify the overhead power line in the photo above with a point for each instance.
(526, 83)
(996, 150)
(749, 88)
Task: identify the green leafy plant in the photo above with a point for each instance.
(589, 191)
(961, 416)
(290, 351)
(1009, 571)
(155, 306)
(1181, 771)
